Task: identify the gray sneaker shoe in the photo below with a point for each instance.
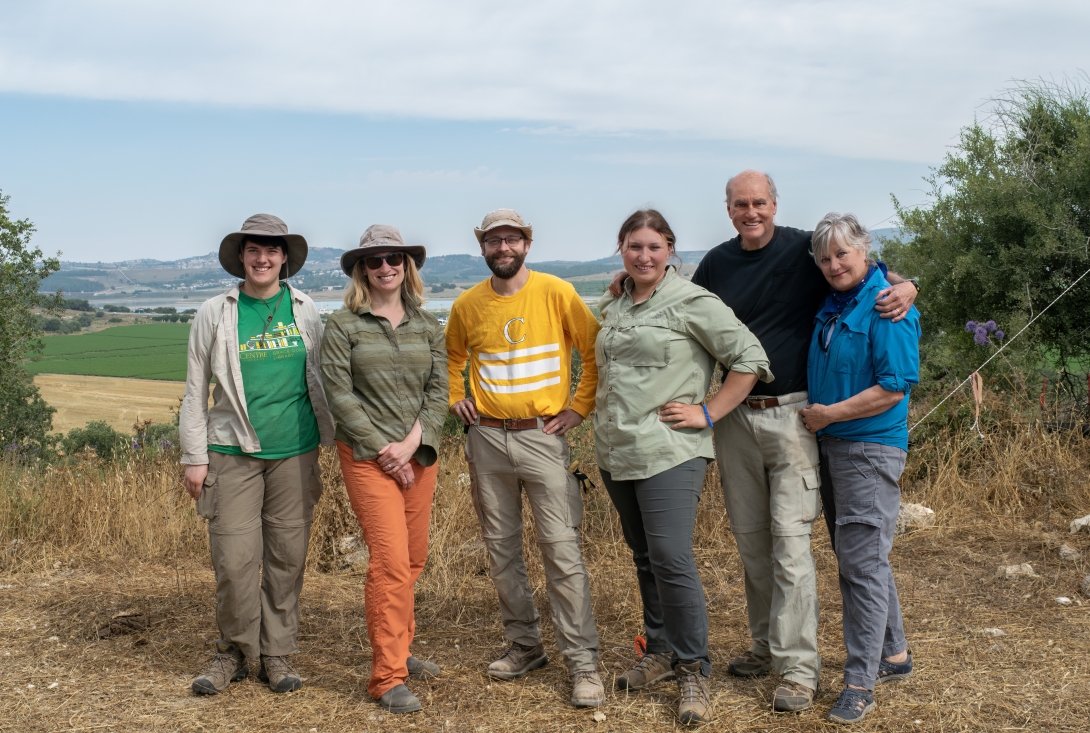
(517, 660)
(694, 707)
(279, 673)
(587, 690)
(749, 664)
(399, 700)
(221, 670)
(652, 667)
(421, 669)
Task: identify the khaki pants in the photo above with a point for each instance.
(503, 464)
(259, 513)
(768, 463)
(394, 522)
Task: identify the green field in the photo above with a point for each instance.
(148, 351)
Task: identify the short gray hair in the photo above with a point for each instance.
(771, 184)
(843, 228)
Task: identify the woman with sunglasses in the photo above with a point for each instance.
(861, 368)
(385, 372)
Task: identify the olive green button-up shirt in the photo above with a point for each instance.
(663, 350)
(380, 380)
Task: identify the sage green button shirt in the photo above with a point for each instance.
(663, 350)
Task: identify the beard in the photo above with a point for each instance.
(507, 270)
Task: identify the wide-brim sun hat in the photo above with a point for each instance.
(503, 218)
(263, 225)
(381, 238)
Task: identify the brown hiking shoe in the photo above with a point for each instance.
(221, 670)
(517, 660)
(792, 697)
(651, 668)
(279, 673)
(587, 690)
(694, 707)
(749, 664)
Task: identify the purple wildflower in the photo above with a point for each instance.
(990, 325)
(999, 335)
(970, 326)
(981, 336)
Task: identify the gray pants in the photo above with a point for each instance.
(259, 514)
(503, 464)
(862, 497)
(657, 516)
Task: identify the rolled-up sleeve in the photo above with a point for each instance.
(895, 352)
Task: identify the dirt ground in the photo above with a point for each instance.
(114, 647)
(120, 402)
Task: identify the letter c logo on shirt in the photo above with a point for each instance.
(519, 325)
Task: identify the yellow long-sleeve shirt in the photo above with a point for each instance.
(519, 348)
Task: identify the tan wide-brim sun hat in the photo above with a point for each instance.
(503, 218)
(381, 238)
(263, 225)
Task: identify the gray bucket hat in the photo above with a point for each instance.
(381, 238)
(263, 225)
(503, 218)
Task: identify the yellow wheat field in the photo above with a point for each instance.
(119, 402)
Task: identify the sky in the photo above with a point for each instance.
(146, 128)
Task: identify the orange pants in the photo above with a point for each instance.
(395, 527)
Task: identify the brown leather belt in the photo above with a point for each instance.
(764, 403)
(513, 423)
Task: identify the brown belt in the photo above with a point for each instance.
(764, 403)
(513, 423)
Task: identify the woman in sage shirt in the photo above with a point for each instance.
(385, 373)
(656, 351)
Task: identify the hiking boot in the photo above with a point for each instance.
(587, 690)
(651, 668)
(792, 697)
(399, 699)
(221, 670)
(749, 664)
(694, 707)
(279, 673)
(894, 671)
(517, 660)
(421, 669)
(852, 706)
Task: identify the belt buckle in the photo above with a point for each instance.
(511, 423)
(755, 404)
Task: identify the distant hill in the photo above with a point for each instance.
(322, 271)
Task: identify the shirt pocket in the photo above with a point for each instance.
(643, 343)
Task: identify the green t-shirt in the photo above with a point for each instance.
(273, 360)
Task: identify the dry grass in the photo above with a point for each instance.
(119, 402)
(107, 608)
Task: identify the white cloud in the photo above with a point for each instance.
(845, 77)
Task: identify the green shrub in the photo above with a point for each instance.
(97, 436)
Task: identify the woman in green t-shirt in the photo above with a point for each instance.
(251, 459)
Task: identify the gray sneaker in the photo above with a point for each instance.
(652, 667)
(517, 660)
(749, 664)
(694, 707)
(792, 697)
(279, 673)
(399, 700)
(421, 669)
(221, 670)
(587, 690)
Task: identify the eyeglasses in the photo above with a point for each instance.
(393, 259)
(510, 240)
(827, 332)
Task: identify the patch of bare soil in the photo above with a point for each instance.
(114, 646)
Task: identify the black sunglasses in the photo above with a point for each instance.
(393, 259)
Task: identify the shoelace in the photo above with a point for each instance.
(851, 701)
(691, 689)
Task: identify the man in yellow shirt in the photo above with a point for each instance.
(517, 330)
